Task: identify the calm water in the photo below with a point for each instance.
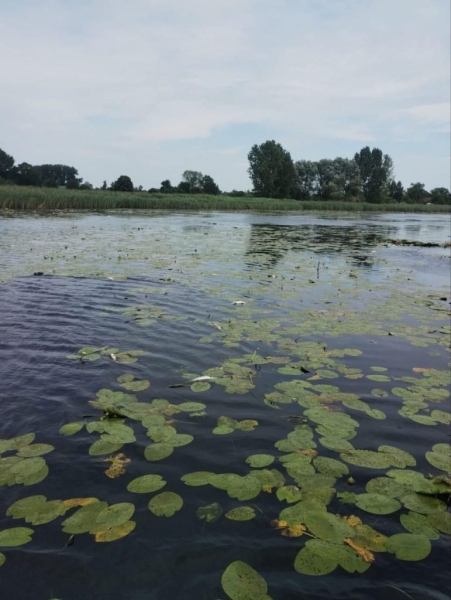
(328, 278)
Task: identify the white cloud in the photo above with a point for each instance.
(105, 85)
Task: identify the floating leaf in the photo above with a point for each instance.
(191, 406)
(241, 582)
(115, 533)
(158, 451)
(422, 504)
(113, 516)
(379, 393)
(385, 486)
(72, 502)
(367, 458)
(327, 526)
(136, 385)
(289, 493)
(16, 536)
(439, 460)
(330, 466)
(200, 386)
(409, 546)
(441, 520)
(2, 559)
(146, 484)
(378, 377)
(244, 488)
(16, 443)
(377, 504)
(126, 377)
(35, 450)
(180, 439)
(117, 466)
(259, 460)
(210, 512)
(317, 557)
(416, 523)
(165, 504)
(399, 458)
(197, 478)
(242, 513)
(83, 519)
(103, 446)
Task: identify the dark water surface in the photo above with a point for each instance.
(313, 278)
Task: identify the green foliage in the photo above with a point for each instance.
(122, 184)
(271, 170)
(376, 172)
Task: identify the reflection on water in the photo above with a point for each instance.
(196, 266)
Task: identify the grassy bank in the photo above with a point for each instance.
(29, 198)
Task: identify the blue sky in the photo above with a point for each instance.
(150, 88)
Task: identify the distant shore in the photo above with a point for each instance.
(29, 198)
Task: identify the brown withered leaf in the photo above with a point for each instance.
(352, 520)
(420, 370)
(308, 452)
(78, 502)
(294, 531)
(314, 378)
(277, 524)
(117, 467)
(115, 533)
(366, 555)
(267, 488)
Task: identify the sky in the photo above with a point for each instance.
(151, 88)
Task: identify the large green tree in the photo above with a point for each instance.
(271, 170)
(440, 195)
(6, 165)
(376, 171)
(417, 194)
(122, 184)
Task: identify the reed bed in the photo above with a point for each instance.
(30, 198)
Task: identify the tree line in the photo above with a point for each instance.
(367, 177)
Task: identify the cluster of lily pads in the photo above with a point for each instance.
(26, 466)
(93, 353)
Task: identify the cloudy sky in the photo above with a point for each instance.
(149, 88)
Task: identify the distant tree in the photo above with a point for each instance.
(26, 174)
(104, 186)
(209, 186)
(59, 175)
(6, 165)
(154, 191)
(236, 194)
(337, 179)
(166, 187)
(194, 180)
(440, 196)
(306, 178)
(417, 194)
(376, 171)
(74, 184)
(184, 187)
(122, 184)
(271, 170)
(86, 186)
(396, 191)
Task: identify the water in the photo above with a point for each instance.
(328, 278)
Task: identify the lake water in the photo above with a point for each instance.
(322, 337)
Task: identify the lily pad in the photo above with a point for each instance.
(330, 466)
(16, 536)
(242, 513)
(136, 385)
(111, 534)
(377, 504)
(210, 512)
(84, 519)
(241, 582)
(158, 451)
(146, 484)
(165, 504)
(198, 478)
(113, 516)
(259, 460)
(422, 504)
(2, 559)
(103, 446)
(386, 486)
(200, 386)
(439, 460)
(191, 406)
(244, 488)
(419, 524)
(409, 546)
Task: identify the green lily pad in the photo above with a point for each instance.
(35, 450)
(439, 460)
(419, 524)
(71, 428)
(198, 478)
(367, 458)
(440, 520)
(126, 378)
(136, 385)
(146, 484)
(378, 377)
(242, 513)
(191, 406)
(422, 504)
(104, 446)
(180, 439)
(200, 386)
(16, 443)
(2, 559)
(258, 461)
(379, 393)
(379, 369)
(399, 458)
(409, 546)
(405, 476)
(244, 488)
(165, 504)
(330, 466)
(117, 532)
(27, 467)
(210, 512)
(317, 557)
(158, 451)
(113, 516)
(327, 527)
(16, 536)
(386, 486)
(84, 519)
(377, 504)
(241, 582)
(289, 493)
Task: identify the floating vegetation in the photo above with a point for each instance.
(240, 581)
(228, 425)
(210, 513)
(165, 504)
